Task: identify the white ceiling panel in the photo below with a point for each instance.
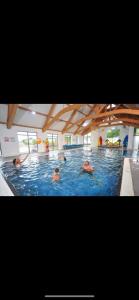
(58, 125)
(77, 117)
(42, 108)
(58, 107)
(66, 116)
(73, 129)
(3, 112)
(27, 118)
(85, 108)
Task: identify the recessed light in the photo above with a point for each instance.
(33, 112)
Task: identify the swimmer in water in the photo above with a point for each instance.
(56, 175)
(17, 161)
(87, 167)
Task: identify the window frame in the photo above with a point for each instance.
(27, 134)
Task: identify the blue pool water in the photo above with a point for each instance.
(34, 177)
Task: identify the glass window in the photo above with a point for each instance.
(136, 131)
(23, 142)
(87, 139)
(68, 139)
(33, 146)
(22, 132)
(27, 142)
(113, 135)
(53, 141)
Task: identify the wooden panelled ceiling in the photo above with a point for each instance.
(70, 118)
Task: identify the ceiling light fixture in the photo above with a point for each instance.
(33, 112)
(85, 123)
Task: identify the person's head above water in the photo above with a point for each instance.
(86, 163)
(56, 170)
(16, 161)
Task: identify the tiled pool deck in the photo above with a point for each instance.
(134, 166)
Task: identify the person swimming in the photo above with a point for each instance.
(17, 161)
(87, 167)
(56, 175)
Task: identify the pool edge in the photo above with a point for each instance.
(5, 188)
(126, 183)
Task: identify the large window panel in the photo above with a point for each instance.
(53, 141)
(23, 142)
(27, 142)
(87, 139)
(68, 139)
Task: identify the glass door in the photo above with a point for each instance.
(33, 146)
(23, 142)
(55, 141)
(27, 142)
(68, 139)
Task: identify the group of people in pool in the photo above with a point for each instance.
(86, 167)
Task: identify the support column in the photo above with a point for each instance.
(94, 138)
(130, 138)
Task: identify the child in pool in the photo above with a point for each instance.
(17, 161)
(87, 167)
(56, 175)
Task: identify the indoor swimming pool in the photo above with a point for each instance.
(34, 178)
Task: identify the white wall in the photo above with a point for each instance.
(94, 138)
(80, 139)
(12, 148)
(8, 148)
(123, 132)
(136, 142)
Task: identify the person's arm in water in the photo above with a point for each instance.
(21, 161)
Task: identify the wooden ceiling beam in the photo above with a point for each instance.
(93, 109)
(40, 113)
(12, 108)
(59, 114)
(69, 121)
(97, 110)
(110, 113)
(48, 116)
(123, 119)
